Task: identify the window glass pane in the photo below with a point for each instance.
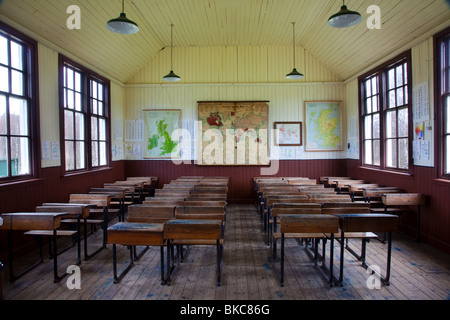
(400, 101)
(69, 99)
(403, 123)
(100, 92)
(4, 79)
(406, 96)
(376, 152)
(94, 128)
(369, 105)
(70, 156)
(95, 154)
(403, 153)
(17, 82)
(368, 127)
(391, 124)
(79, 126)
(368, 88)
(447, 108)
(80, 155)
(102, 129)
(3, 50)
(69, 79)
(77, 82)
(405, 73)
(368, 152)
(391, 153)
(16, 56)
(391, 79)
(94, 106)
(100, 109)
(374, 85)
(103, 153)
(376, 126)
(20, 155)
(399, 76)
(375, 104)
(18, 113)
(78, 103)
(392, 99)
(3, 157)
(68, 125)
(3, 128)
(94, 89)
(447, 156)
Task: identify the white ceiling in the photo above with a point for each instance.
(227, 23)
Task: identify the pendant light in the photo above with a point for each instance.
(294, 75)
(171, 77)
(344, 18)
(122, 24)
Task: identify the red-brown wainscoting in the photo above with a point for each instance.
(435, 216)
(51, 187)
(241, 177)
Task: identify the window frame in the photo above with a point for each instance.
(441, 92)
(86, 77)
(381, 72)
(31, 95)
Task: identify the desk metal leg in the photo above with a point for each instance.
(119, 277)
(12, 276)
(2, 292)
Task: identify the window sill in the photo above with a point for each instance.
(20, 183)
(390, 172)
(442, 181)
(81, 173)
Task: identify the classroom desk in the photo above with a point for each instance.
(136, 234)
(367, 222)
(36, 221)
(194, 232)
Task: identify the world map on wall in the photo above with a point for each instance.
(323, 126)
(233, 133)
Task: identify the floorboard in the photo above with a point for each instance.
(419, 272)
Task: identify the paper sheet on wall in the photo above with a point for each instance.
(134, 130)
(421, 102)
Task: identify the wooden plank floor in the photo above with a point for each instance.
(419, 272)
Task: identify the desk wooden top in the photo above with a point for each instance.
(368, 222)
(193, 229)
(144, 234)
(32, 220)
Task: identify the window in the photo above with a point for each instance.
(385, 106)
(18, 106)
(86, 123)
(442, 73)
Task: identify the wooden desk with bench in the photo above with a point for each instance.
(399, 202)
(38, 223)
(144, 227)
(307, 226)
(369, 222)
(195, 232)
(136, 234)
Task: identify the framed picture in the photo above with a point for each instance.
(323, 126)
(159, 126)
(288, 134)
